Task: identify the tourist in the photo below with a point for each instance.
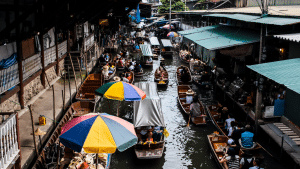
(237, 132)
(247, 137)
(230, 159)
(231, 128)
(247, 160)
(189, 96)
(256, 164)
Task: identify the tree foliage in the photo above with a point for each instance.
(177, 5)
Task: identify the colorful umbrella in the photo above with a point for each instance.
(168, 26)
(98, 133)
(172, 34)
(121, 91)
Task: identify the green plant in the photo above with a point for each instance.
(177, 5)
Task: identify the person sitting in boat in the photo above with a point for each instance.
(247, 138)
(180, 70)
(131, 67)
(232, 128)
(105, 71)
(149, 60)
(102, 59)
(157, 133)
(223, 115)
(162, 62)
(189, 96)
(106, 57)
(247, 160)
(144, 133)
(256, 164)
(185, 77)
(138, 68)
(120, 62)
(195, 108)
(204, 77)
(228, 121)
(111, 67)
(230, 159)
(128, 76)
(124, 79)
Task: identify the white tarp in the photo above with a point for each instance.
(154, 41)
(166, 43)
(7, 50)
(148, 112)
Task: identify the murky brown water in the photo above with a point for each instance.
(185, 148)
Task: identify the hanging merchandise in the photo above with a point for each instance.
(6, 63)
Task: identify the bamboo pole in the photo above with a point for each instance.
(73, 72)
(33, 133)
(79, 69)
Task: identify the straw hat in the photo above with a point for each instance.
(117, 78)
(39, 132)
(105, 67)
(225, 109)
(190, 92)
(230, 141)
(162, 59)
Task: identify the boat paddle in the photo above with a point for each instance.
(188, 125)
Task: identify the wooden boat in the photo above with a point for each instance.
(212, 111)
(198, 120)
(147, 64)
(82, 108)
(139, 74)
(75, 109)
(119, 66)
(86, 91)
(217, 144)
(132, 75)
(167, 50)
(111, 75)
(178, 76)
(157, 77)
(151, 107)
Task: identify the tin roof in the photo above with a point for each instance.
(166, 43)
(295, 37)
(154, 41)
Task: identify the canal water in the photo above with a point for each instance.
(185, 147)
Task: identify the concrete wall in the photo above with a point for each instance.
(294, 50)
(30, 90)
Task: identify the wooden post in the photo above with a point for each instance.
(70, 84)
(43, 80)
(33, 131)
(86, 65)
(68, 40)
(73, 72)
(79, 70)
(19, 56)
(64, 97)
(54, 114)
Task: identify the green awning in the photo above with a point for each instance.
(146, 50)
(284, 72)
(269, 20)
(191, 31)
(223, 37)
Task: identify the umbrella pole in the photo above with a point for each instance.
(109, 106)
(97, 161)
(118, 108)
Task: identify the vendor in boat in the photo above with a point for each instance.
(224, 115)
(124, 79)
(189, 96)
(138, 68)
(106, 57)
(228, 121)
(195, 108)
(128, 76)
(102, 59)
(180, 70)
(111, 67)
(185, 76)
(105, 71)
(162, 62)
(230, 159)
(144, 133)
(149, 60)
(120, 62)
(131, 67)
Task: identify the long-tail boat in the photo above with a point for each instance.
(86, 91)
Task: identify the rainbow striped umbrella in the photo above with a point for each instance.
(172, 34)
(121, 91)
(98, 133)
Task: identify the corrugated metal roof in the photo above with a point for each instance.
(284, 72)
(270, 20)
(223, 37)
(146, 50)
(191, 31)
(154, 41)
(295, 37)
(166, 43)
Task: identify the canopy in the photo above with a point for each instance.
(148, 112)
(269, 20)
(284, 72)
(294, 37)
(220, 37)
(146, 50)
(154, 41)
(191, 31)
(166, 43)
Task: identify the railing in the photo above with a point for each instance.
(274, 2)
(50, 55)
(62, 48)
(31, 65)
(88, 42)
(8, 141)
(9, 78)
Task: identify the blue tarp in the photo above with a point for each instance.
(138, 17)
(6, 63)
(278, 107)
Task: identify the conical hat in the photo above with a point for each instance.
(39, 132)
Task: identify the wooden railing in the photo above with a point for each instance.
(9, 78)
(8, 141)
(31, 65)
